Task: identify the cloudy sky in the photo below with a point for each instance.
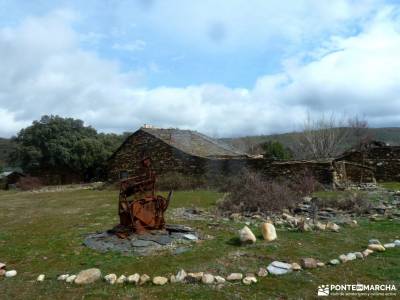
(223, 67)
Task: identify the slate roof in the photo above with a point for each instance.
(194, 143)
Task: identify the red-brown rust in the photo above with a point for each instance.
(139, 208)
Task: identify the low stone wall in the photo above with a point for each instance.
(384, 161)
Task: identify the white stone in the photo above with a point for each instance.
(110, 278)
(367, 252)
(11, 273)
(134, 278)
(180, 277)
(249, 280)
(268, 231)
(320, 226)
(88, 276)
(246, 235)
(351, 256)
(63, 277)
(389, 245)
(2, 265)
(359, 255)
(40, 278)
(397, 243)
(143, 279)
(333, 227)
(376, 247)
(219, 279)
(234, 276)
(190, 237)
(207, 279)
(296, 267)
(70, 278)
(334, 262)
(343, 258)
(159, 280)
(279, 268)
(121, 279)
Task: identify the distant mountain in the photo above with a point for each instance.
(6, 147)
(390, 135)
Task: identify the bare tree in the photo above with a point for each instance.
(360, 132)
(321, 138)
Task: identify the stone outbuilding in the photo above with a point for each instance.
(191, 153)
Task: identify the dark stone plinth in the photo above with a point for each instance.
(175, 238)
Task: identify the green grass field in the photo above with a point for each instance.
(43, 233)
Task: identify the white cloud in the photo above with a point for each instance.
(45, 71)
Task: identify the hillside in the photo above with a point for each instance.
(390, 135)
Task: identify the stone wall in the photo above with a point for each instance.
(384, 161)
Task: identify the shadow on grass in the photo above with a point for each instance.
(234, 242)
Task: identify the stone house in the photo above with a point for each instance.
(191, 153)
(10, 179)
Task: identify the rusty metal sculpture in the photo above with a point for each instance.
(140, 209)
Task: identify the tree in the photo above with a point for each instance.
(63, 146)
(327, 137)
(320, 138)
(275, 150)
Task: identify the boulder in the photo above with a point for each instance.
(353, 223)
(279, 268)
(246, 235)
(110, 278)
(207, 278)
(133, 278)
(308, 263)
(180, 277)
(389, 245)
(144, 279)
(70, 278)
(234, 276)
(268, 231)
(2, 272)
(121, 279)
(249, 280)
(219, 279)
(332, 227)
(40, 278)
(160, 280)
(88, 276)
(320, 264)
(2, 265)
(376, 247)
(397, 243)
(262, 272)
(11, 273)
